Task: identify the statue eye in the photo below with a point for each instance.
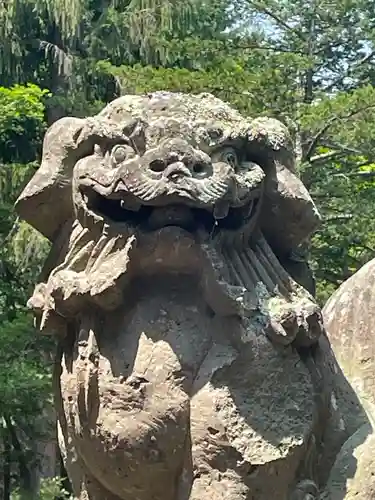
(228, 155)
(121, 153)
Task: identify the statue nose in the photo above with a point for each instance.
(176, 170)
(179, 166)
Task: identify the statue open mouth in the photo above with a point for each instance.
(174, 212)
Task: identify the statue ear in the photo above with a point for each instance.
(136, 131)
(289, 215)
(45, 203)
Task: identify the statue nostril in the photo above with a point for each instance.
(157, 166)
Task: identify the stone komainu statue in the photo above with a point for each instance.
(192, 364)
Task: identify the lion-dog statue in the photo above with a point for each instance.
(192, 360)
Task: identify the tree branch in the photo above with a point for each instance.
(332, 155)
(337, 218)
(309, 76)
(326, 45)
(368, 174)
(323, 196)
(275, 17)
(12, 232)
(238, 44)
(268, 47)
(316, 138)
(329, 123)
(326, 156)
(340, 78)
(342, 147)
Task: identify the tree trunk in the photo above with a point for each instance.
(7, 460)
(24, 473)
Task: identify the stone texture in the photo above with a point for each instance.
(191, 364)
(349, 318)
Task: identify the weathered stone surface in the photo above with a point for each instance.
(192, 365)
(349, 317)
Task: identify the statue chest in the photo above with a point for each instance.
(166, 389)
(163, 337)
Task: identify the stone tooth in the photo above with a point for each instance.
(98, 150)
(221, 209)
(130, 205)
(249, 209)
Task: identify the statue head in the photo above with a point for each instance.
(165, 159)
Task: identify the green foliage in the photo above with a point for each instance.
(22, 126)
(345, 193)
(154, 31)
(21, 123)
(229, 78)
(308, 64)
(25, 365)
(24, 375)
(50, 37)
(50, 489)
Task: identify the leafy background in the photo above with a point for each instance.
(308, 63)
